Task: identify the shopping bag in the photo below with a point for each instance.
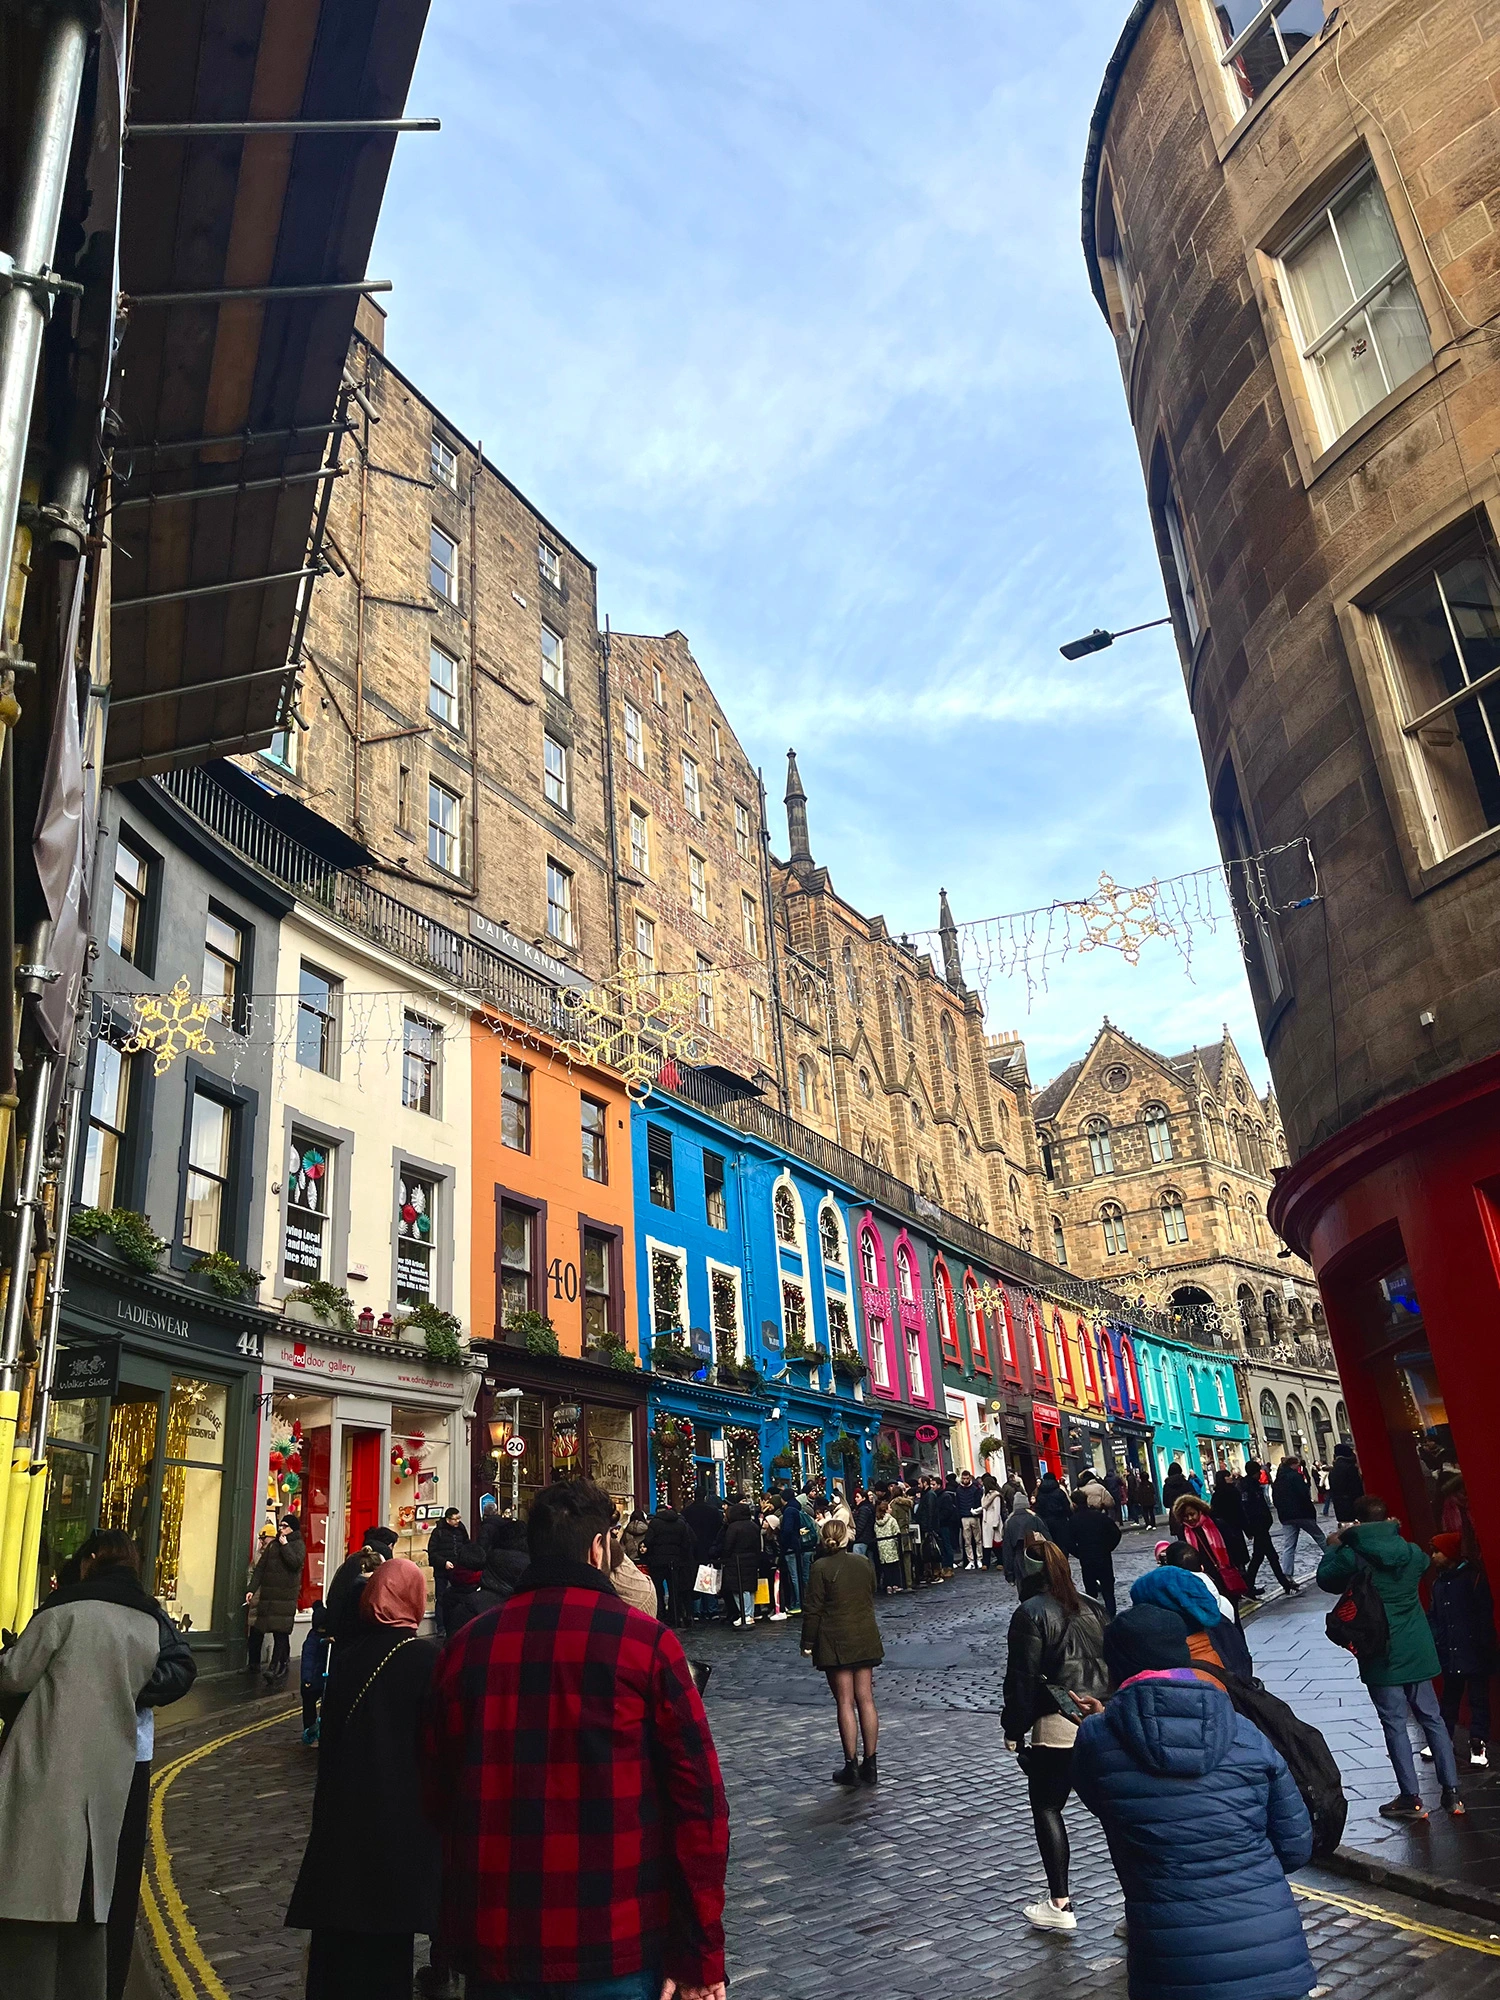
(763, 1591)
(708, 1581)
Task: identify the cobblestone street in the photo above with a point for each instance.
(908, 1892)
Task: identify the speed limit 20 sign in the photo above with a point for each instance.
(515, 1447)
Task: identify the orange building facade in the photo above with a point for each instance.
(553, 1286)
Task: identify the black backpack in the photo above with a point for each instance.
(1303, 1750)
(1358, 1622)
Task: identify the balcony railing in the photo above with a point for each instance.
(344, 896)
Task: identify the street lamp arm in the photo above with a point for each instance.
(1098, 639)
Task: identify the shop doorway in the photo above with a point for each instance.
(1398, 1360)
(364, 1496)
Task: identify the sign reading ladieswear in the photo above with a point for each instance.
(405, 1368)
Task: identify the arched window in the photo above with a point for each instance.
(1112, 1216)
(1219, 1392)
(1270, 1305)
(903, 1276)
(1107, 1356)
(1270, 1418)
(1007, 1333)
(1244, 1298)
(866, 1088)
(1193, 1390)
(1297, 1313)
(1258, 1141)
(903, 1009)
(1341, 1418)
(831, 1235)
(942, 1291)
(1089, 1359)
(1229, 1215)
(807, 1085)
(1034, 1331)
(1101, 1147)
(978, 1339)
(950, 1044)
(1158, 1132)
(1065, 1371)
(1296, 1425)
(851, 978)
(1322, 1430)
(1173, 1217)
(1132, 1376)
(1317, 1312)
(787, 1211)
(869, 1263)
(1059, 1242)
(963, 1142)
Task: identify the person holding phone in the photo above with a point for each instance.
(1055, 1676)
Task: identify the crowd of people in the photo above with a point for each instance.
(567, 1831)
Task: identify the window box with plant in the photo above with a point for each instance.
(127, 1235)
(850, 1366)
(671, 1355)
(225, 1275)
(535, 1332)
(887, 1459)
(321, 1304)
(611, 1351)
(784, 1461)
(439, 1331)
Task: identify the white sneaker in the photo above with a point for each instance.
(1046, 1916)
(1425, 1752)
(777, 1618)
(1479, 1757)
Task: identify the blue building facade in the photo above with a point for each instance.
(750, 1310)
(1192, 1401)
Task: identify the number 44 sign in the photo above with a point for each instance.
(515, 1447)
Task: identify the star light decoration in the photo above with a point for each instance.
(1121, 920)
(170, 1025)
(635, 1023)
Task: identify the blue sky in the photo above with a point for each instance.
(779, 312)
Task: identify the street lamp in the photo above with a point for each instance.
(502, 1429)
(1098, 639)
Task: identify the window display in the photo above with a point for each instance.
(419, 1477)
(187, 1550)
(416, 1208)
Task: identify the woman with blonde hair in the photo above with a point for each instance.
(840, 1634)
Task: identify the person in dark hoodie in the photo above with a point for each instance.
(444, 1546)
(1345, 1482)
(342, 1603)
(1255, 1518)
(671, 1557)
(794, 1563)
(1297, 1511)
(704, 1520)
(475, 1590)
(1093, 1536)
(1055, 1508)
(1204, 1823)
(1462, 1617)
(1174, 1486)
(740, 1557)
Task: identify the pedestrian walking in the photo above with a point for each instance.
(1054, 1674)
(254, 1640)
(1345, 1482)
(1204, 1824)
(1224, 1506)
(1148, 1499)
(274, 1590)
(584, 1837)
(840, 1635)
(949, 1522)
(1398, 1679)
(1462, 1616)
(1174, 1486)
(798, 1540)
(704, 1520)
(672, 1559)
(444, 1546)
(1296, 1511)
(1180, 1583)
(1054, 1507)
(1093, 1536)
(1021, 1523)
(350, 1578)
(991, 1520)
(887, 1549)
(1195, 1525)
(739, 1559)
(864, 1525)
(1256, 1519)
(70, 1772)
(363, 1900)
(902, 1505)
(312, 1670)
(504, 1561)
(970, 1527)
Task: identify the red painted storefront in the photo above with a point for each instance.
(1400, 1216)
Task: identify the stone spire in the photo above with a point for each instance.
(953, 970)
(796, 814)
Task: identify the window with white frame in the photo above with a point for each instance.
(554, 671)
(784, 1213)
(645, 946)
(416, 1222)
(840, 1332)
(559, 904)
(549, 563)
(444, 845)
(1158, 1132)
(793, 1314)
(704, 974)
(421, 1042)
(1219, 1392)
(657, 694)
(750, 923)
(668, 1289)
(1112, 1219)
(1173, 1217)
(306, 1241)
(757, 1027)
(223, 954)
(868, 1265)
(915, 1373)
(555, 772)
(905, 1283)
(880, 1364)
(692, 791)
(1187, 588)
(282, 750)
(1259, 38)
(1440, 634)
(742, 843)
(1354, 310)
(831, 1235)
(698, 883)
(444, 463)
(724, 1312)
(104, 1153)
(640, 841)
(1059, 1241)
(442, 686)
(687, 714)
(635, 737)
(1101, 1145)
(442, 565)
(717, 741)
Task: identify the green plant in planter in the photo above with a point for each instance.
(886, 1457)
(840, 1449)
(229, 1277)
(796, 1348)
(749, 1375)
(784, 1461)
(133, 1239)
(613, 1352)
(439, 1329)
(989, 1446)
(850, 1365)
(330, 1303)
(671, 1355)
(538, 1335)
(819, 1357)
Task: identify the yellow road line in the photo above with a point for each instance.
(170, 1914)
(1378, 1915)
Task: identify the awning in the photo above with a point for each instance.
(242, 257)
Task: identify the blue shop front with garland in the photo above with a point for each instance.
(750, 1326)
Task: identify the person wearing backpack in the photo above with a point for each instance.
(1398, 1676)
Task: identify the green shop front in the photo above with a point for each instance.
(153, 1430)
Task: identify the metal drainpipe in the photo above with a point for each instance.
(25, 308)
(55, 1287)
(25, 1233)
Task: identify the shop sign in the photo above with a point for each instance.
(107, 1309)
(701, 1342)
(1221, 1430)
(927, 1433)
(1045, 1413)
(567, 1413)
(412, 1279)
(400, 1370)
(90, 1369)
(498, 938)
(302, 1259)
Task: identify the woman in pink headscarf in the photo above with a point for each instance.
(370, 1873)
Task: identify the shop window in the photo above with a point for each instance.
(318, 1006)
(1441, 638)
(223, 953)
(208, 1221)
(947, 1319)
(517, 1260)
(724, 1310)
(1259, 38)
(1101, 1146)
(594, 1125)
(598, 1286)
(420, 1475)
(187, 1546)
(130, 904)
(416, 1226)
(915, 1373)
(109, 1111)
(659, 1172)
(420, 1042)
(610, 1452)
(306, 1252)
(515, 1105)
(74, 1438)
(831, 1236)
(715, 1208)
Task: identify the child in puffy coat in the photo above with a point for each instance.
(1203, 1822)
(1179, 1584)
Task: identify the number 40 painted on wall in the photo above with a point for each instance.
(564, 1278)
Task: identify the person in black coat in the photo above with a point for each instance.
(1255, 1518)
(864, 1526)
(1297, 1512)
(1345, 1482)
(444, 1546)
(927, 1514)
(341, 1606)
(364, 1896)
(1224, 1507)
(950, 1514)
(1462, 1617)
(704, 1518)
(672, 1560)
(1053, 1506)
(1093, 1536)
(495, 1580)
(740, 1560)
(1174, 1486)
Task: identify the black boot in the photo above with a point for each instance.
(867, 1771)
(849, 1775)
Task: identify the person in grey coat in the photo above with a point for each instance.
(1022, 1522)
(68, 1688)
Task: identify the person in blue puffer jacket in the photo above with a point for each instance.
(1179, 1584)
(1203, 1822)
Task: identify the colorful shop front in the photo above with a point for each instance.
(573, 1419)
(153, 1430)
(1192, 1400)
(358, 1431)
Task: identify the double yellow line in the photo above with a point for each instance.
(167, 1919)
(1379, 1915)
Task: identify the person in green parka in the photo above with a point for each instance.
(1399, 1680)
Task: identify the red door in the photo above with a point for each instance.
(362, 1508)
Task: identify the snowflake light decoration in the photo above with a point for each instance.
(634, 1023)
(170, 1025)
(1121, 920)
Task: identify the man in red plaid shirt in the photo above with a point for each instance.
(569, 1765)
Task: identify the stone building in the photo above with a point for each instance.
(450, 712)
(1290, 224)
(1157, 1171)
(691, 883)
